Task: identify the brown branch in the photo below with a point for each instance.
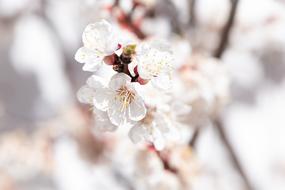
(163, 159)
(192, 20)
(165, 163)
(227, 29)
(193, 142)
(135, 29)
(126, 20)
(220, 128)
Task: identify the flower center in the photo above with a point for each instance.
(125, 96)
(155, 62)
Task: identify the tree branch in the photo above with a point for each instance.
(192, 20)
(192, 143)
(220, 128)
(227, 29)
(126, 20)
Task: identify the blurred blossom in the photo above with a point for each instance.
(12, 7)
(209, 86)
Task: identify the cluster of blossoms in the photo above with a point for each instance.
(208, 80)
(142, 70)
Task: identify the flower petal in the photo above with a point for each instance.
(137, 133)
(131, 68)
(162, 81)
(100, 36)
(162, 122)
(116, 115)
(102, 122)
(101, 98)
(95, 34)
(92, 59)
(96, 82)
(160, 45)
(85, 94)
(137, 109)
(119, 80)
(150, 134)
(91, 66)
(181, 107)
(81, 55)
(159, 143)
(157, 138)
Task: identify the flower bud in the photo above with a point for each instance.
(128, 51)
(110, 59)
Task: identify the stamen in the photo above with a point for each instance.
(125, 96)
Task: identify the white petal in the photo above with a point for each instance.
(137, 110)
(95, 34)
(81, 55)
(159, 144)
(131, 68)
(143, 73)
(93, 62)
(119, 80)
(162, 81)
(160, 45)
(96, 82)
(174, 134)
(181, 107)
(92, 59)
(102, 122)
(137, 134)
(101, 37)
(91, 66)
(153, 59)
(116, 115)
(101, 98)
(157, 139)
(162, 122)
(85, 94)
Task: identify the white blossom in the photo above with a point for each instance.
(206, 83)
(153, 61)
(124, 100)
(102, 121)
(99, 40)
(119, 98)
(150, 173)
(157, 127)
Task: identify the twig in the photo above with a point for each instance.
(165, 163)
(123, 180)
(227, 29)
(192, 20)
(163, 159)
(126, 19)
(234, 158)
(193, 142)
(174, 18)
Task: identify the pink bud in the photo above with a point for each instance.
(110, 59)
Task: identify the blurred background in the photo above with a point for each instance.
(46, 137)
